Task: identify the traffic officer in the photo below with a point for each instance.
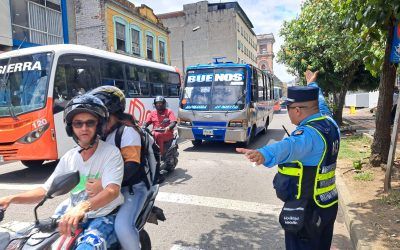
(306, 166)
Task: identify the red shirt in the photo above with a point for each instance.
(156, 118)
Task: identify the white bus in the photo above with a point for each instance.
(36, 83)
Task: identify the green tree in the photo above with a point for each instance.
(316, 39)
(373, 20)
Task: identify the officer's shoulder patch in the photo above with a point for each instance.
(298, 132)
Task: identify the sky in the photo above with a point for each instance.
(267, 16)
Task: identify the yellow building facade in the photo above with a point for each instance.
(136, 31)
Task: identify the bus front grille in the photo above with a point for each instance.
(8, 154)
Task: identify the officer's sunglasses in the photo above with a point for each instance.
(88, 123)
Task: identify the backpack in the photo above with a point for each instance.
(149, 154)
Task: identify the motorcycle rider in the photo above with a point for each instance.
(161, 117)
(85, 117)
(135, 189)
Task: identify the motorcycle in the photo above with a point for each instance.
(169, 160)
(43, 234)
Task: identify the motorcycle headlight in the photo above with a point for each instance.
(34, 135)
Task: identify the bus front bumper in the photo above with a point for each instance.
(213, 134)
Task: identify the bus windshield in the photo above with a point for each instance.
(24, 83)
(214, 89)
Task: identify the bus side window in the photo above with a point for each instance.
(254, 86)
(112, 73)
(261, 88)
(157, 85)
(75, 75)
(175, 84)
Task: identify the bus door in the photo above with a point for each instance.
(75, 75)
(257, 100)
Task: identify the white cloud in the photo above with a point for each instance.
(267, 16)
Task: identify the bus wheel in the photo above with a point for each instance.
(266, 127)
(33, 164)
(197, 143)
(246, 143)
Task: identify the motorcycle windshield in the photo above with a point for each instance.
(24, 83)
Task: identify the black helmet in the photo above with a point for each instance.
(112, 97)
(85, 104)
(160, 99)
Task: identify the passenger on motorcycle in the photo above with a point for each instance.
(164, 118)
(134, 186)
(85, 119)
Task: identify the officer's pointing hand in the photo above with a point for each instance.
(252, 155)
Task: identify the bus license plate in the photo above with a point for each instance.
(1, 158)
(208, 132)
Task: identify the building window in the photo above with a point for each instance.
(149, 43)
(38, 23)
(161, 48)
(135, 38)
(120, 36)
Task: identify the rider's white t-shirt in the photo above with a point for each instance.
(106, 164)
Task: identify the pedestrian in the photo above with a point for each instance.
(394, 104)
(306, 169)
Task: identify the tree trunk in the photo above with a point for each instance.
(341, 95)
(381, 143)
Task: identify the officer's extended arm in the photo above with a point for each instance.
(323, 107)
(289, 149)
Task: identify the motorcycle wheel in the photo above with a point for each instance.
(145, 242)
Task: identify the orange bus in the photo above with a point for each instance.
(36, 83)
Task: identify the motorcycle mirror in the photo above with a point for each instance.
(62, 184)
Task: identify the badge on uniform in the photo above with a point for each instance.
(298, 132)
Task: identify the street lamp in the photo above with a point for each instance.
(183, 49)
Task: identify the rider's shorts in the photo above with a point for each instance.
(98, 234)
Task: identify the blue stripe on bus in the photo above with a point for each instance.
(218, 135)
(209, 124)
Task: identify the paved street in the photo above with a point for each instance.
(215, 199)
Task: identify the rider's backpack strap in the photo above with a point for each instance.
(118, 136)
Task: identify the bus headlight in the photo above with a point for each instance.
(34, 135)
(184, 123)
(238, 123)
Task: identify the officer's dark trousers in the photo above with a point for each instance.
(323, 240)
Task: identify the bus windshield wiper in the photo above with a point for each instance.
(240, 98)
(5, 86)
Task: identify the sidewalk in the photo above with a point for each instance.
(360, 217)
(362, 121)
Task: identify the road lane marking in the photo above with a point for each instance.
(180, 247)
(196, 200)
(237, 205)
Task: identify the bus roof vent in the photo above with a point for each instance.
(217, 60)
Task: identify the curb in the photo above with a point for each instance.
(353, 225)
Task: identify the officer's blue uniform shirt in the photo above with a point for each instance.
(304, 144)
(323, 108)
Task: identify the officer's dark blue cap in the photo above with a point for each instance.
(301, 94)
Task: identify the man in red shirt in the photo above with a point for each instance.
(161, 118)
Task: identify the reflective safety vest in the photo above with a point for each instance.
(314, 182)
